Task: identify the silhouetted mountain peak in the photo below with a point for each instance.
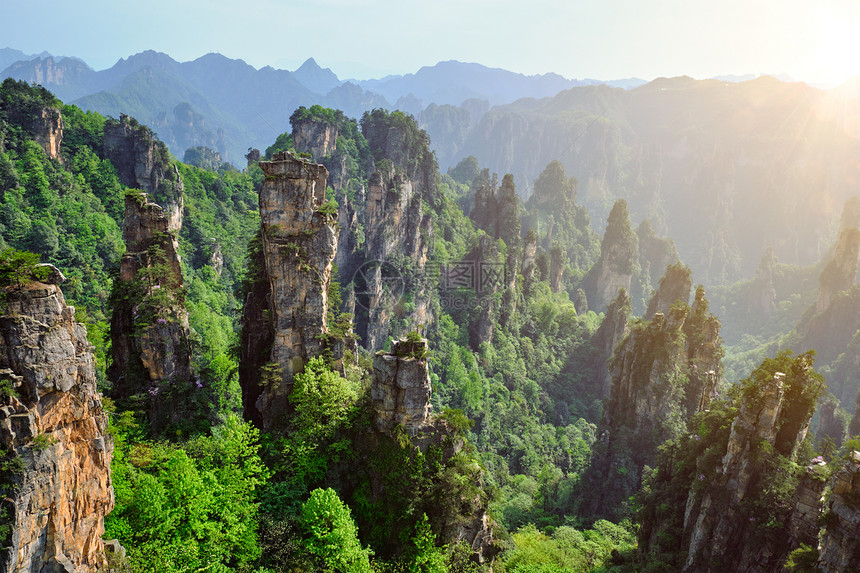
(315, 78)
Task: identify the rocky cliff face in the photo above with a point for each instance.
(315, 137)
(51, 418)
(674, 287)
(47, 129)
(143, 162)
(764, 300)
(529, 265)
(618, 262)
(717, 529)
(496, 209)
(610, 334)
(149, 328)
(839, 548)
(395, 226)
(662, 373)
(733, 524)
(831, 425)
(668, 361)
(839, 273)
(298, 244)
(401, 388)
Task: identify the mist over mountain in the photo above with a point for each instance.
(231, 106)
(453, 82)
(594, 329)
(726, 169)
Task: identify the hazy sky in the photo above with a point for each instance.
(815, 40)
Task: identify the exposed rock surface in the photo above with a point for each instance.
(54, 423)
(723, 530)
(765, 291)
(496, 209)
(143, 162)
(315, 137)
(715, 526)
(662, 372)
(839, 548)
(831, 425)
(839, 273)
(618, 262)
(298, 244)
(48, 131)
(528, 266)
(44, 124)
(610, 333)
(394, 226)
(400, 389)
(674, 287)
(655, 253)
(806, 509)
(484, 259)
(557, 261)
(149, 329)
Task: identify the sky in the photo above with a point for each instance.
(813, 41)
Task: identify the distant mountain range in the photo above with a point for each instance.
(230, 106)
(726, 169)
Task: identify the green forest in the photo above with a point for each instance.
(586, 398)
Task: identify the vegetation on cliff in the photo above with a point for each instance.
(546, 408)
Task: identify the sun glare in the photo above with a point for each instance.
(838, 54)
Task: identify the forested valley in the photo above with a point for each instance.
(339, 357)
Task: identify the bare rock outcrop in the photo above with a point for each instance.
(400, 391)
(315, 137)
(298, 241)
(765, 291)
(496, 209)
(149, 328)
(143, 162)
(47, 128)
(728, 522)
(51, 419)
(831, 425)
(839, 547)
(610, 334)
(661, 373)
(839, 273)
(618, 262)
(401, 388)
(674, 287)
(395, 226)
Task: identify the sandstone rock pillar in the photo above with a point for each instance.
(299, 241)
(51, 419)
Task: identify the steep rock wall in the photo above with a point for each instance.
(47, 129)
(730, 524)
(611, 332)
(298, 244)
(839, 273)
(54, 422)
(839, 548)
(395, 227)
(662, 372)
(149, 328)
(143, 162)
(618, 262)
(401, 388)
(314, 137)
(400, 391)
